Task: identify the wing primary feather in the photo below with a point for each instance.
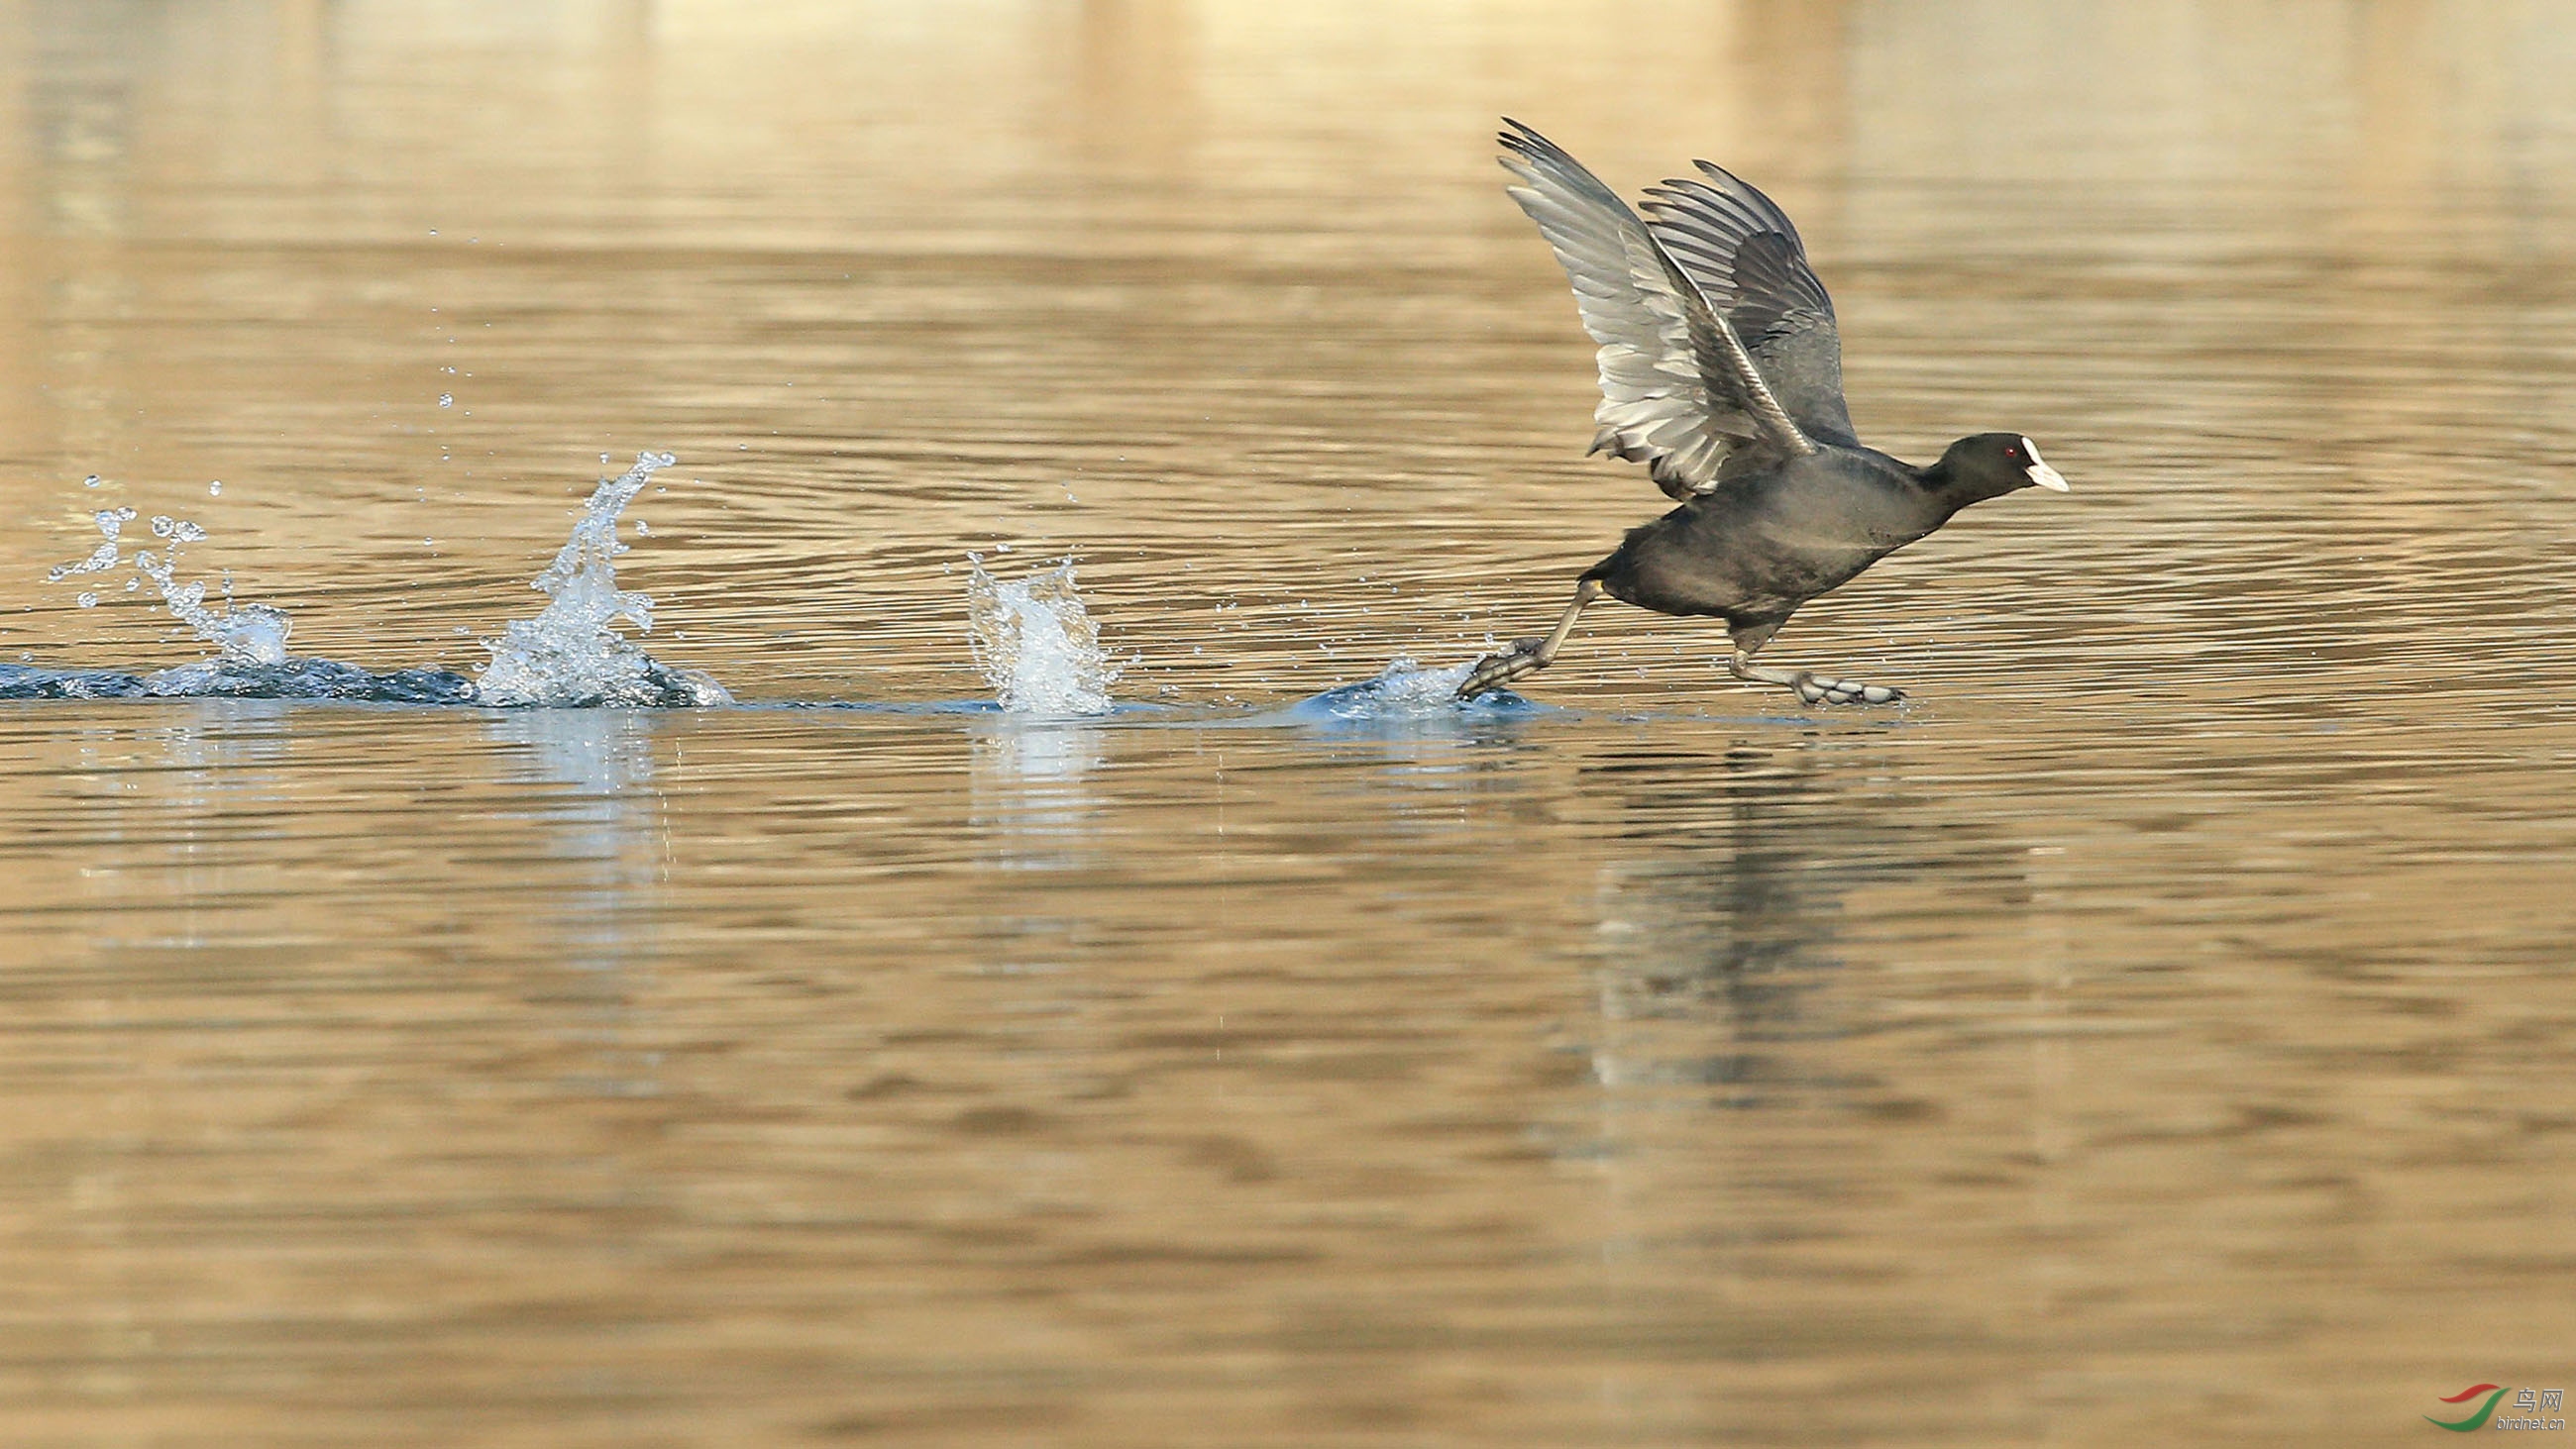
(1747, 258)
(1681, 390)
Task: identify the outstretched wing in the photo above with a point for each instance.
(1739, 247)
(1679, 390)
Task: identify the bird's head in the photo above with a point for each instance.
(1991, 465)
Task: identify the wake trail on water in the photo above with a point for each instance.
(1041, 654)
(1033, 638)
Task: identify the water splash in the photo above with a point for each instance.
(571, 654)
(251, 661)
(1036, 644)
(1406, 691)
(244, 634)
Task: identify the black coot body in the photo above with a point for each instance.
(1721, 370)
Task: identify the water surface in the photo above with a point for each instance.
(2153, 1032)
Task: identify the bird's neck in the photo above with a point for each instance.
(1945, 487)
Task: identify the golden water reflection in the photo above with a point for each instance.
(2153, 1032)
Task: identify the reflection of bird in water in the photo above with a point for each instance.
(1727, 920)
(1721, 370)
(1723, 924)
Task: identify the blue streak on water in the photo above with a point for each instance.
(1407, 696)
(308, 679)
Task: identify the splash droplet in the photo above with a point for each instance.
(111, 522)
(1037, 645)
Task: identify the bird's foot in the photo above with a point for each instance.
(1810, 686)
(1496, 670)
(1814, 688)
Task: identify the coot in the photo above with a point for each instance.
(1721, 371)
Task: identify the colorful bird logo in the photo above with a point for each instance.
(2477, 1420)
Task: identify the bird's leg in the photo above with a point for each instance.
(1810, 686)
(1528, 656)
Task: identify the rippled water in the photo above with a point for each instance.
(2153, 1032)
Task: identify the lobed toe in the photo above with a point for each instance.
(1815, 689)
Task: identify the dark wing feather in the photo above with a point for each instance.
(1745, 256)
(1680, 391)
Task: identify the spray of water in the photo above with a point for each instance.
(1037, 646)
(242, 634)
(250, 639)
(1404, 691)
(571, 653)
(111, 526)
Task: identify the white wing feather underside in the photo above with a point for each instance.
(1678, 390)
